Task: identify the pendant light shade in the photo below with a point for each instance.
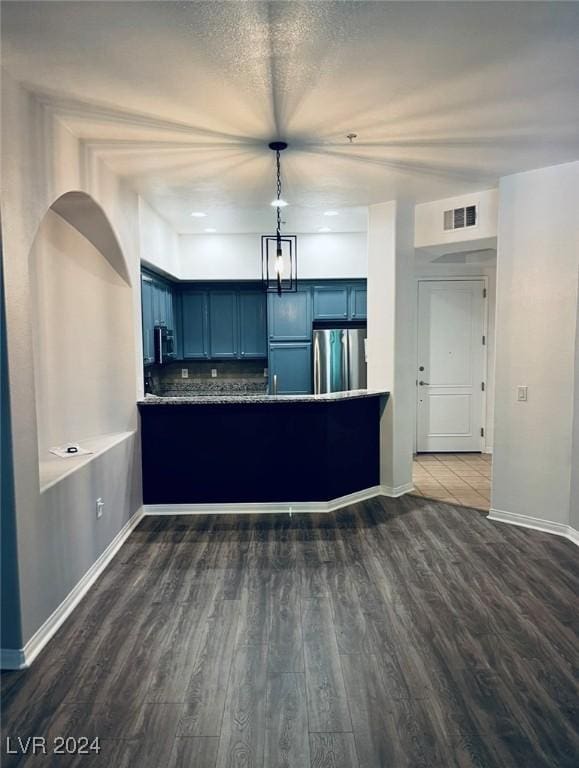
(279, 252)
(279, 263)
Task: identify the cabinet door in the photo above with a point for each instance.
(168, 308)
(330, 302)
(158, 303)
(223, 339)
(290, 316)
(358, 302)
(147, 319)
(194, 330)
(252, 331)
(292, 364)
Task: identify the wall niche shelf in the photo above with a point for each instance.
(53, 469)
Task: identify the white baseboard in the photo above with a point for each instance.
(23, 657)
(487, 449)
(397, 491)
(298, 507)
(525, 521)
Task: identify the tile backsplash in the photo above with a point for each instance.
(234, 376)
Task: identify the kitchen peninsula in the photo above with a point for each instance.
(269, 450)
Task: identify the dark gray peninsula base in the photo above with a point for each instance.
(260, 449)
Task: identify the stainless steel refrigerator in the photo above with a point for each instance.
(339, 359)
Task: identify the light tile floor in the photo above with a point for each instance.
(459, 478)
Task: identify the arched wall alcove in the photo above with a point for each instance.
(83, 330)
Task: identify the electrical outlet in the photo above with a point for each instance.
(214, 373)
(184, 373)
(522, 393)
(100, 506)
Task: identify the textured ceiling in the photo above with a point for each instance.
(182, 98)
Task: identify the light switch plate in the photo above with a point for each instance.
(184, 373)
(214, 373)
(522, 393)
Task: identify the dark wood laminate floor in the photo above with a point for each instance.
(394, 634)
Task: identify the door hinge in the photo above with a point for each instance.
(482, 386)
(484, 340)
(482, 431)
(484, 293)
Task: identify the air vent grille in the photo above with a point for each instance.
(460, 218)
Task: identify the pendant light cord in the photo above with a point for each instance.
(278, 233)
(278, 195)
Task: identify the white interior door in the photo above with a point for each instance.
(451, 365)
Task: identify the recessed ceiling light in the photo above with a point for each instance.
(330, 213)
(279, 203)
(324, 229)
(199, 214)
(210, 229)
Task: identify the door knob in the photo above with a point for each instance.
(424, 383)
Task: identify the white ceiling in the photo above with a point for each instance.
(182, 98)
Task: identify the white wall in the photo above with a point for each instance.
(429, 229)
(238, 257)
(159, 243)
(381, 295)
(41, 161)
(391, 335)
(574, 505)
(537, 266)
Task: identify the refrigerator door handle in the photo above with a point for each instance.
(316, 365)
(345, 339)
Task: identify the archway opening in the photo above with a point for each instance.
(83, 332)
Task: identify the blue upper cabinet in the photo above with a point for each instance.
(252, 324)
(330, 302)
(290, 316)
(158, 302)
(234, 321)
(159, 308)
(291, 363)
(340, 301)
(169, 308)
(194, 333)
(147, 310)
(162, 298)
(358, 302)
(223, 337)
(223, 324)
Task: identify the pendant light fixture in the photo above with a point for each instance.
(279, 252)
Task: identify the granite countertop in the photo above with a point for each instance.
(253, 399)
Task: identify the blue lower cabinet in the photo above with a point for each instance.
(292, 364)
(330, 302)
(223, 337)
(194, 333)
(252, 324)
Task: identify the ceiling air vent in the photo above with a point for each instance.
(459, 218)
